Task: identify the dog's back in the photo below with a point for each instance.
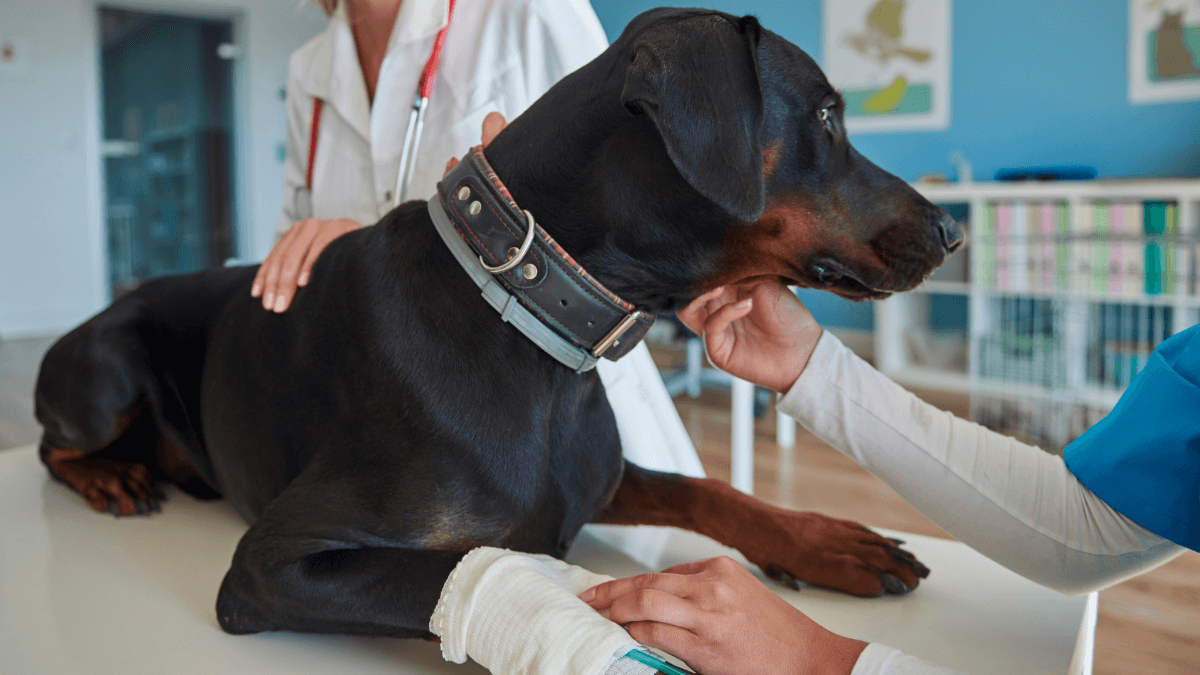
(388, 369)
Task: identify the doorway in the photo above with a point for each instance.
(167, 119)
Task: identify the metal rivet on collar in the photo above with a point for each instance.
(512, 252)
(529, 271)
(463, 193)
(475, 208)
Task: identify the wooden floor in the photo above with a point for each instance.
(1150, 624)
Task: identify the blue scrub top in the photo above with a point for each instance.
(1143, 458)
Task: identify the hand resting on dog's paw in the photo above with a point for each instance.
(715, 616)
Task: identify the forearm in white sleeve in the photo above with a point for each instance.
(878, 659)
(1013, 502)
(520, 614)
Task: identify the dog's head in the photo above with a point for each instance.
(726, 161)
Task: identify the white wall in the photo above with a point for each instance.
(52, 256)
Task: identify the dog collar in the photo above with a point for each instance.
(526, 276)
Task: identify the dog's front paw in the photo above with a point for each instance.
(793, 547)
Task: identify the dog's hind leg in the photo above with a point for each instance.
(95, 399)
(787, 545)
(108, 477)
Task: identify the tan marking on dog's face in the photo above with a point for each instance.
(771, 152)
(791, 234)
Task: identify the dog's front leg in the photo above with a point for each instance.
(309, 565)
(806, 546)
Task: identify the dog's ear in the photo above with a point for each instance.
(698, 80)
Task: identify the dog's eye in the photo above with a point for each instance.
(826, 116)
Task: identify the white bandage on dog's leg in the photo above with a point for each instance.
(518, 613)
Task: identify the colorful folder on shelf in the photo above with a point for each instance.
(1100, 258)
(1154, 224)
(1062, 250)
(987, 246)
(1004, 246)
(1081, 248)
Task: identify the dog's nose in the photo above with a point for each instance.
(950, 233)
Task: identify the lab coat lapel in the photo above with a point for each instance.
(333, 74)
(418, 20)
(347, 89)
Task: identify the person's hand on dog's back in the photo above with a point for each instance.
(759, 332)
(290, 263)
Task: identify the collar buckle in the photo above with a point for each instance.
(615, 334)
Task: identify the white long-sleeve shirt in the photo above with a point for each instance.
(1012, 502)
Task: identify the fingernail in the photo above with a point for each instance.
(255, 290)
(280, 303)
(745, 303)
(588, 595)
(268, 300)
(303, 279)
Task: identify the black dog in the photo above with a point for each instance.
(389, 421)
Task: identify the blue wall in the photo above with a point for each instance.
(1034, 83)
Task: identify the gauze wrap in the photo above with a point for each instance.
(518, 613)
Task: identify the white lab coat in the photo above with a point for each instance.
(499, 55)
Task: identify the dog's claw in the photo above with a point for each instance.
(783, 578)
(893, 584)
(112, 508)
(898, 542)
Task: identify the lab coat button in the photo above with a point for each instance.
(387, 196)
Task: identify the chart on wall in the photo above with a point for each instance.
(890, 59)
(1164, 50)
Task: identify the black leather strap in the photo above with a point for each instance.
(556, 290)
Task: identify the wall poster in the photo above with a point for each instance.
(890, 59)
(1164, 50)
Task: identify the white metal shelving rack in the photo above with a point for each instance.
(896, 317)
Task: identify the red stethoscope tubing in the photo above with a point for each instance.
(416, 120)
